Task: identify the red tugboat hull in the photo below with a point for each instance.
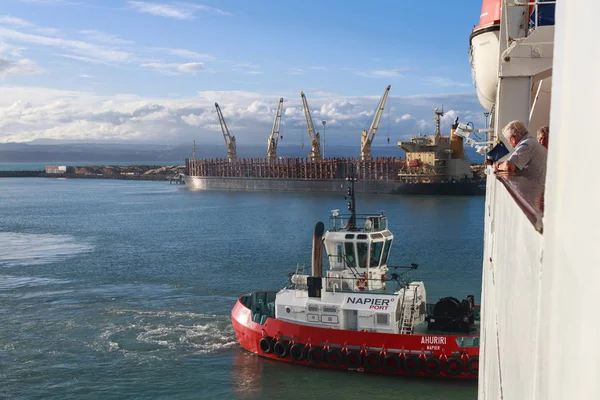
(385, 353)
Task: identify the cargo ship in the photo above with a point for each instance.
(353, 316)
(434, 165)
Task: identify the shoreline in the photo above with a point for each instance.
(120, 172)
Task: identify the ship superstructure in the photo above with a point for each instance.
(435, 158)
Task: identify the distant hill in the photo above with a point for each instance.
(123, 152)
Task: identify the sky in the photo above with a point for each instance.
(151, 71)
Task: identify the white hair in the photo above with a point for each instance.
(515, 129)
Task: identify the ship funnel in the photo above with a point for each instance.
(317, 250)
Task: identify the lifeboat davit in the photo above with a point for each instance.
(484, 52)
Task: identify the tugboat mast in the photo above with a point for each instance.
(351, 225)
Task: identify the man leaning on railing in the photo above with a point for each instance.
(528, 158)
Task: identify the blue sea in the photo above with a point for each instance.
(123, 289)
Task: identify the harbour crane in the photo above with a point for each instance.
(229, 138)
(274, 136)
(313, 135)
(366, 138)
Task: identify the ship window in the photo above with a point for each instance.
(382, 319)
(350, 258)
(361, 236)
(339, 253)
(376, 248)
(349, 236)
(386, 251)
(363, 251)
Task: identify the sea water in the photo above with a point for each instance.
(123, 289)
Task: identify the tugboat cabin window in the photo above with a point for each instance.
(350, 257)
(363, 252)
(376, 250)
(386, 251)
(382, 319)
(340, 255)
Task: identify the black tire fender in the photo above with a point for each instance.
(298, 352)
(412, 364)
(281, 348)
(372, 362)
(432, 365)
(266, 345)
(454, 366)
(353, 359)
(392, 363)
(316, 355)
(473, 369)
(334, 357)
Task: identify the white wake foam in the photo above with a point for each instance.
(149, 332)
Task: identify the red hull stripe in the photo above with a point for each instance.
(250, 333)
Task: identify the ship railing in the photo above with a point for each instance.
(536, 13)
(528, 195)
(353, 285)
(363, 222)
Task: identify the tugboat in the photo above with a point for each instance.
(349, 318)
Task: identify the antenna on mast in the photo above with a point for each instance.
(351, 224)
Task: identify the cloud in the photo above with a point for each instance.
(187, 54)
(89, 51)
(8, 20)
(102, 37)
(20, 67)
(404, 117)
(444, 82)
(174, 68)
(191, 67)
(21, 23)
(99, 47)
(28, 113)
(317, 68)
(181, 11)
(162, 10)
(14, 51)
(209, 9)
(295, 71)
(383, 73)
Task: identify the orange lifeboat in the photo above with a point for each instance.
(484, 52)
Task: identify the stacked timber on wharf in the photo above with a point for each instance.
(385, 168)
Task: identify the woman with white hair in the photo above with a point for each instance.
(528, 158)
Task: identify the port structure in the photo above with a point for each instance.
(313, 134)
(367, 137)
(229, 138)
(275, 133)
